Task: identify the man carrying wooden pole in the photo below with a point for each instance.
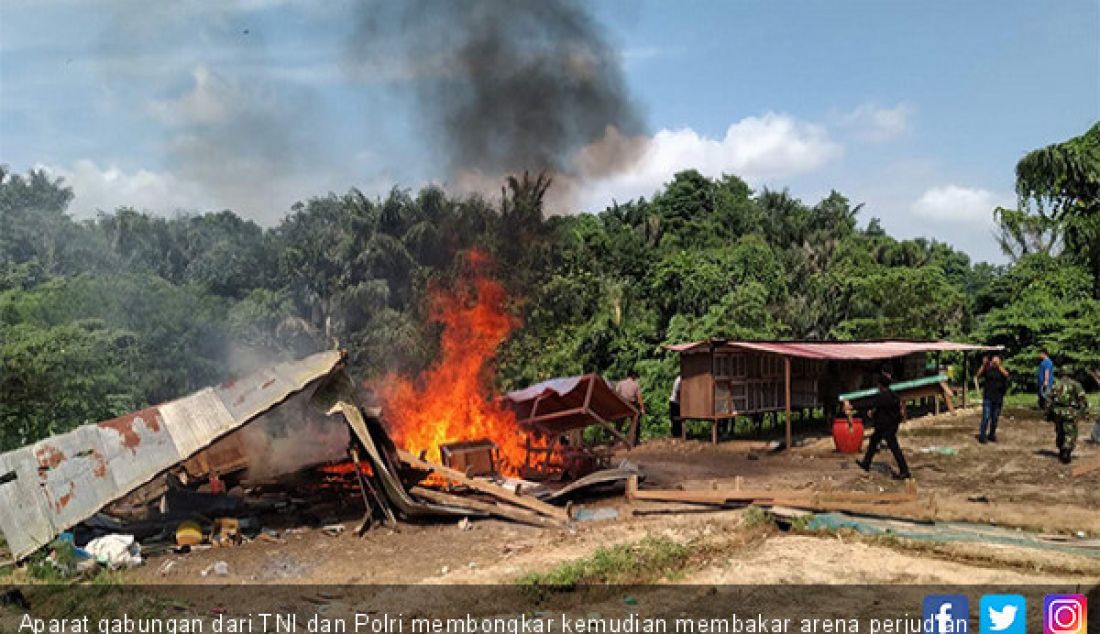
(887, 412)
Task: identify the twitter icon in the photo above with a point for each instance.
(1003, 614)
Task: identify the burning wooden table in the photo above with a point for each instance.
(556, 413)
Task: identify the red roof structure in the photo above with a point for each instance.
(833, 350)
(575, 402)
(569, 404)
(721, 379)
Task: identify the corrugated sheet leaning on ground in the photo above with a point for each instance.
(65, 479)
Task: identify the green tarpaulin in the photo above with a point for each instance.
(897, 387)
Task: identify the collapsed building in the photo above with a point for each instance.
(172, 461)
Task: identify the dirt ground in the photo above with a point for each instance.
(1017, 482)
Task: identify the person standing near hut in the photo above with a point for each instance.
(994, 385)
(631, 392)
(980, 372)
(886, 411)
(1045, 378)
(674, 409)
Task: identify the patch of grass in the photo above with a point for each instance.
(755, 516)
(1017, 399)
(58, 569)
(5, 555)
(801, 524)
(649, 559)
(63, 568)
(889, 540)
(104, 597)
(1027, 400)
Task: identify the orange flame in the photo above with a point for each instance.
(451, 401)
(344, 468)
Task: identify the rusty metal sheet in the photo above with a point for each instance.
(65, 479)
(196, 420)
(22, 515)
(256, 393)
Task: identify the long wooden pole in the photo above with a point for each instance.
(787, 381)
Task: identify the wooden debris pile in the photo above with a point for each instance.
(482, 495)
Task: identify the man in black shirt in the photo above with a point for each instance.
(994, 379)
(886, 412)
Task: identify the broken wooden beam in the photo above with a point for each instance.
(500, 510)
(483, 486)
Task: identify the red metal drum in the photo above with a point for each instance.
(848, 438)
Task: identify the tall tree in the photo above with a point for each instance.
(1059, 191)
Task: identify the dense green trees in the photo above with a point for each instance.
(1050, 297)
(104, 316)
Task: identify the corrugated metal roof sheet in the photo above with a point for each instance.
(565, 403)
(562, 385)
(835, 350)
(65, 479)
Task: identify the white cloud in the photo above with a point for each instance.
(759, 149)
(955, 204)
(98, 188)
(105, 188)
(213, 99)
(876, 124)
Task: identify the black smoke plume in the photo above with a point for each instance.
(507, 85)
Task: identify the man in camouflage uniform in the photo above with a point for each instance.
(1068, 405)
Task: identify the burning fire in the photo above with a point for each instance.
(344, 468)
(451, 401)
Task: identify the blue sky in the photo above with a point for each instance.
(920, 110)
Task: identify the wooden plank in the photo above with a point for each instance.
(498, 492)
(545, 418)
(369, 493)
(787, 513)
(610, 427)
(696, 386)
(500, 510)
(392, 488)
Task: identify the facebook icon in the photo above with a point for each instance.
(946, 614)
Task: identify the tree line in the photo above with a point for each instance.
(103, 316)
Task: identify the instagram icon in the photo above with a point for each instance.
(1065, 614)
